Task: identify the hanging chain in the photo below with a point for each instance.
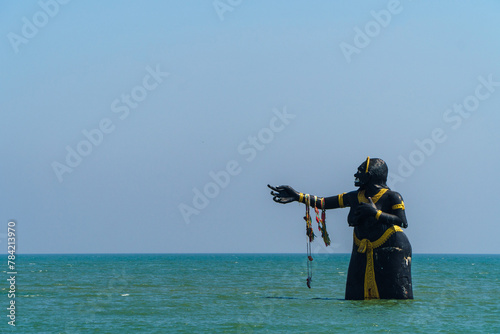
(310, 238)
(309, 230)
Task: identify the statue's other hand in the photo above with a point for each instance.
(366, 209)
(283, 194)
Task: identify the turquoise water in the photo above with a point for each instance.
(244, 294)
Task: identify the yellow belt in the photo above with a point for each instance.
(366, 246)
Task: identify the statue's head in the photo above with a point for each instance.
(371, 171)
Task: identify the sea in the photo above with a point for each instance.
(242, 293)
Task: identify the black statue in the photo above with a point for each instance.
(380, 265)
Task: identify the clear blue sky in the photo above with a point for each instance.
(117, 115)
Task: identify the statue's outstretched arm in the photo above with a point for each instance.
(286, 194)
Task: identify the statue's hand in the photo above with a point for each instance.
(284, 194)
(365, 210)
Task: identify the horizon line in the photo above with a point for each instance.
(237, 253)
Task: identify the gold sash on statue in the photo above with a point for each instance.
(366, 246)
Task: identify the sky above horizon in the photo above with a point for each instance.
(155, 126)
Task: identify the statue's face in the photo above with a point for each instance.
(361, 178)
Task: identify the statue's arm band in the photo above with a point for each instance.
(341, 200)
(377, 216)
(301, 197)
(399, 206)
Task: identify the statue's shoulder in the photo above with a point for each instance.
(352, 194)
(351, 198)
(394, 196)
